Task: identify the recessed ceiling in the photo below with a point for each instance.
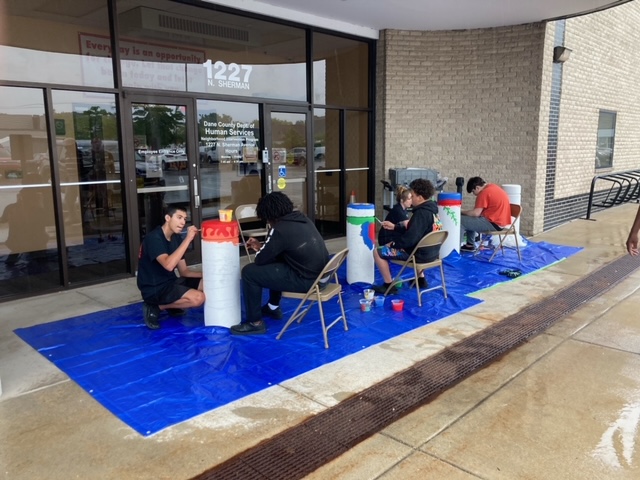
(419, 14)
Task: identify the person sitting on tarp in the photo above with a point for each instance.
(395, 223)
(161, 252)
(423, 220)
(290, 259)
(492, 211)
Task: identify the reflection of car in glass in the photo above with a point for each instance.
(318, 153)
(209, 154)
(173, 160)
(9, 168)
(148, 165)
(603, 156)
(299, 155)
(108, 147)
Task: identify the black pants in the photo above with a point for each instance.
(277, 277)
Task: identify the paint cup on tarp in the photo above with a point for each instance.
(368, 294)
(397, 305)
(379, 299)
(225, 215)
(365, 305)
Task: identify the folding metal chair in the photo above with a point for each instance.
(246, 215)
(516, 210)
(316, 294)
(432, 239)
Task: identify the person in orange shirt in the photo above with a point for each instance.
(492, 211)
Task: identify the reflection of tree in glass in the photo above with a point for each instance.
(287, 134)
(161, 125)
(88, 122)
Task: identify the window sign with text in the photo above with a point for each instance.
(286, 81)
(144, 65)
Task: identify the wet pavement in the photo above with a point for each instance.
(566, 404)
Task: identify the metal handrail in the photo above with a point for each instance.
(624, 187)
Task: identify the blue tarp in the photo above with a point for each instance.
(152, 379)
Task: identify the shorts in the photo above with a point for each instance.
(174, 292)
(388, 253)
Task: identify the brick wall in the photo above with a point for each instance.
(465, 103)
(601, 74)
(491, 102)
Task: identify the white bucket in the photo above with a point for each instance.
(514, 192)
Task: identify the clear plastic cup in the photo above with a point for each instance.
(365, 305)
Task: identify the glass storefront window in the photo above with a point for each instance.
(28, 247)
(326, 128)
(606, 139)
(356, 154)
(340, 71)
(229, 143)
(64, 42)
(179, 47)
(91, 191)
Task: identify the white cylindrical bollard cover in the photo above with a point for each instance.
(361, 240)
(221, 273)
(449, 207)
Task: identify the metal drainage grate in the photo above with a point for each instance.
(305, 447)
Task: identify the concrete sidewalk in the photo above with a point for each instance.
(528, 401)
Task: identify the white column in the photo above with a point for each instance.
(221, 273)
(361, 240)
(449, 205)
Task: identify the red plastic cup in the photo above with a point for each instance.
(397, 305)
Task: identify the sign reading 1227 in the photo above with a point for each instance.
(233, 75)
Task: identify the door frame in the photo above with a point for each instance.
(267, 110)
(193, 166)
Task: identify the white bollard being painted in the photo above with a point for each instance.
(361, 240)
(449, 205)
(221, 273)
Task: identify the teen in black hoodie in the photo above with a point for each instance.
(424, 220)
(291, 258)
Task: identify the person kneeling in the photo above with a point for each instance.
(424, 220)
(161, 252)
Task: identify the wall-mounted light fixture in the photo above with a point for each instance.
(561, 54)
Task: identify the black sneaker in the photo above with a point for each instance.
(176, 312)
(249, 328)
(151, 314)
(383, 288)
(422, 282)
(268, 312)
(468, 248)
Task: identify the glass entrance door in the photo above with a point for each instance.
(165, 160)
(288, 130)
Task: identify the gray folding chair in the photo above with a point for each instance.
(245, 215)
(432, 239)
(318, 295)
(516, 210)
